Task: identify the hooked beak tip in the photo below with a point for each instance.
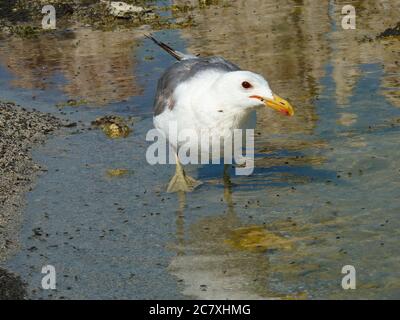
(278, 104)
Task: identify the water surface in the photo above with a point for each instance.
(325, 189)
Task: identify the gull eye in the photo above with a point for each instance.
(246, 85)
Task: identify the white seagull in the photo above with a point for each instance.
(207, 93)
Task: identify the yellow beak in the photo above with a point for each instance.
(278, 104)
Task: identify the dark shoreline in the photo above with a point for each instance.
(20, 131)
(11, 286)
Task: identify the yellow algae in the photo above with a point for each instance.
(113, 126)
(72, 103)
(257, 238)
(295, 296)
(117, 172)
(114, 130)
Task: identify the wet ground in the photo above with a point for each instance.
(325, 192)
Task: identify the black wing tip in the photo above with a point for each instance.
(151, 37)
(164, 46)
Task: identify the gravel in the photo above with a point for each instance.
(11, 286)
(20, 130)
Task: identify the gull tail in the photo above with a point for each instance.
(176, 54)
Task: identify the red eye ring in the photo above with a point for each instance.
(246, 85)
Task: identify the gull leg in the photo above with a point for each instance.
(180, 181)
(227, 177)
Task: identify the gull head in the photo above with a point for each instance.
(241, 90)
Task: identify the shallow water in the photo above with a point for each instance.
(325, 189)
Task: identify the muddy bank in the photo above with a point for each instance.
(23, 18)
(20, 130)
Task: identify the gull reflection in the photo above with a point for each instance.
(220, 257)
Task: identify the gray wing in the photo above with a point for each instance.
(182, 71)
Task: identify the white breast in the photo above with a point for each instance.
(197, 110)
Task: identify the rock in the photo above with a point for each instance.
(114, 130)
(121, 9)
(391, 32)
(71, 125)
(113, 126)
(11, 286)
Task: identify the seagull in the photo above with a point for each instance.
(207, 94)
